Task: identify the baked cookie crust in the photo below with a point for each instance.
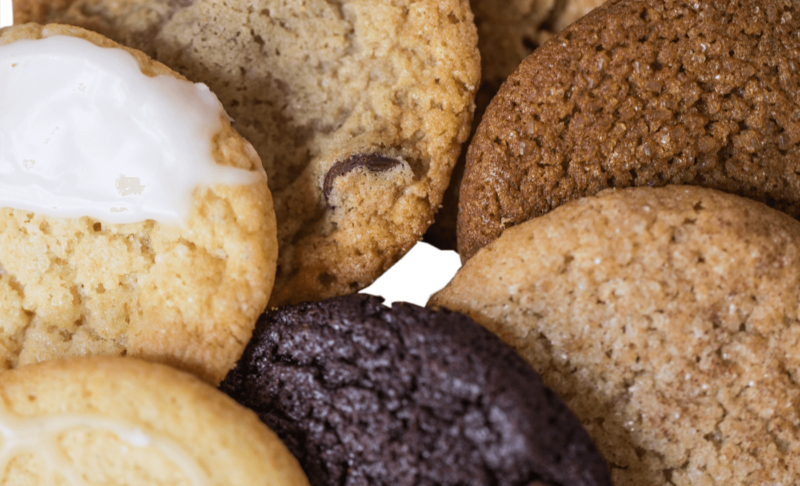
(185, 296)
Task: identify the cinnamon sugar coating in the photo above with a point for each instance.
(642, 93)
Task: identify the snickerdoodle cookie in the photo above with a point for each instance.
(358, 110)
(508, 31)
(638, 93)
(667, 320)
(133, 219)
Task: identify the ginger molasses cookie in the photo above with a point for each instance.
(133, 219)
(642, 93)
(358, 110)
(508, 31)
(365, 394)
(667, 319)
(102, 420)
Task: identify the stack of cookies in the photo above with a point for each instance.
(636, 323)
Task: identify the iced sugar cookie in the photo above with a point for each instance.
(101, 421)
(133, 219)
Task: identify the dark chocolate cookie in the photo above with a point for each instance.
(638, 93)
(363, 394)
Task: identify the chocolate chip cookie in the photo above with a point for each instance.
(313, 85)
(637, 93)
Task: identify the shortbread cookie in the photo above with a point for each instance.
(667, 319)
(364, 394)
(315, 86)
(642, 93)
(102, 421)
(90, 280)
(508, 31)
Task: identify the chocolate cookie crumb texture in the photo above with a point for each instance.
(365, 394)
(642, 92)
(666, 318)
(310, 84)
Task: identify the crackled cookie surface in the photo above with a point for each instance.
(102, 420)
(642, 92)
(185, 292)
(508, 31)
(312, 85)
(667, 319)
(365, 394)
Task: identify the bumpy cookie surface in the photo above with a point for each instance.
(312, 84)
(508, 31)
(667, 318)
(642, 92)
(101, 421)
(186, 296)
(363, 394)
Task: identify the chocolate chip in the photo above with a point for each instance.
(373, 162)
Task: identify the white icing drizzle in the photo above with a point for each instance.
(83, 132)
(39, 435)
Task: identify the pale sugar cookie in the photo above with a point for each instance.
(667, 320)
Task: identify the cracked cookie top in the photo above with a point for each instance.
(508, 31)
(365, 394)
(311, 84)
(642, 92)
(186, 295)
(667, 319)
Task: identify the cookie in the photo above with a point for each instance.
(183, 287)
(508, 31)
(365, 394)
(316, 86)
(667, 320)
(641, 93)
(101, 420)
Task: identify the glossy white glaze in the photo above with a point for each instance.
(83, 132)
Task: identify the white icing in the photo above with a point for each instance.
(39, 436)
(83, 132)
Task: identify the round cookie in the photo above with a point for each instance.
(186, 295)
(316, 86)
(99, 421)
(364, 394)
(508, 31)
(667, 319)
(642, 93)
